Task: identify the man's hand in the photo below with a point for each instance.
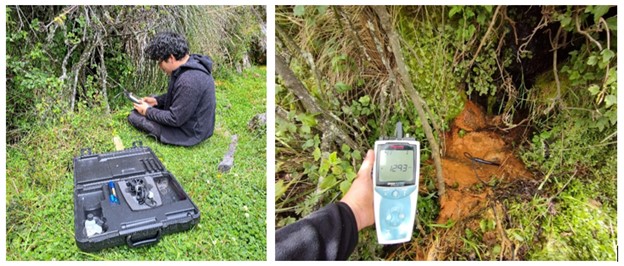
(360, 195)
(141, 107)
(151, 101)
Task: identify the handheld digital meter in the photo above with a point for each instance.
(131, 97)
(395, 185)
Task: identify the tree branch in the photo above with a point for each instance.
(309, 103)
(103, 77)
(409, 89)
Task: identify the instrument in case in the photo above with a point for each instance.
(127, 197)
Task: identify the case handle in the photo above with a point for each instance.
(144, 242)
(137, 144)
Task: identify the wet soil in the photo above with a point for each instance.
(475, 191)
(469, 184)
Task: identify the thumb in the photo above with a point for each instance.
(367, 164)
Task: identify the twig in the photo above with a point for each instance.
(354, 33)
(584, 33)
(103, 76)
(591, 146)
(487, 33)
(608, 137)
(64, 64)
(307, 57)
(513, 25)
(555, 70)
(501, 230)
(380, 51)
(543, 23)
(384, 93)
(608, 47)
(19, 16)
(67, 11)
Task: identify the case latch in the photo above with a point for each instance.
(137, 144)
(84, 152)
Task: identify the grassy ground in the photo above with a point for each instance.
(39, 185)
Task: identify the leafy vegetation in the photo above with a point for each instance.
(44, 131)
(547, 74)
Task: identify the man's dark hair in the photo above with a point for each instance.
(165, 44)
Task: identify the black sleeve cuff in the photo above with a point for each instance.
(349, 234)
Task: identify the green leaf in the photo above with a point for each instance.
(347, 110)
(599, 11)
(468, 233)
(344, 186)
(321, 9)
(309, 143)
(565, 21)
(589, 9)
(280, 189)
(324, 167)
(454, 10)
(350, 175)
(607, 55)
(345, 148)
(612, 78)
(483, 225)
(307, 119)
(316, 154)
(333, 158)
(337, 170)
(593, 89)
(481, 18)
(356, 155)
(328, 182)
(611, 22)
(305, 129)
(341, 87)
(469, 13)
(286, 221)
(612, 116)
(299, 11)
(496, 249)
(365, 100)
(517, 236)
(610, 100)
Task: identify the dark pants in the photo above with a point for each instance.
(140, 122)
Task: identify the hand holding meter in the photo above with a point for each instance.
(131, 97)
(395, 185)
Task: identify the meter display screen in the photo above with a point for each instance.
(396, 163)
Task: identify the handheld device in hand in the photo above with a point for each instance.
(131, 97)
(395, 185)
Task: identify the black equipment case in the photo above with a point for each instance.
(127, 197)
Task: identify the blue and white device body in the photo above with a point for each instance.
(395, 184)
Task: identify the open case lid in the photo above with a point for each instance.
(136, 160)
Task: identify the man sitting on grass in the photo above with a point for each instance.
(185, 115)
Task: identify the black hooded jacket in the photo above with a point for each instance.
(187, 110)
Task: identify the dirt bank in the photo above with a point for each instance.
(469, 183)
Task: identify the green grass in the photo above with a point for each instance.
(40, 223)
